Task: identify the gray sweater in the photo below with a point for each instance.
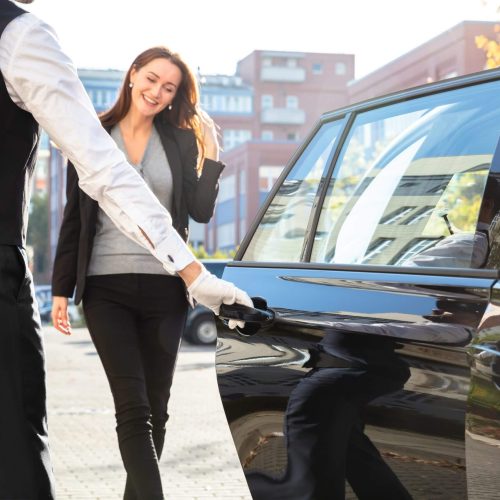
(113, 252)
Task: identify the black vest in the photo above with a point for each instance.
(19, 134)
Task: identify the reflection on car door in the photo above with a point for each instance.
(364, 376)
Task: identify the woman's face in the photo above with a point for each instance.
(154, 86)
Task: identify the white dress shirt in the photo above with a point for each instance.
(41, 79)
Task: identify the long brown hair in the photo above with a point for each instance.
(184, 112)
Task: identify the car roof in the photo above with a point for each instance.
(420, 90)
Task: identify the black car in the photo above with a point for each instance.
(375, 372)
(200, 323)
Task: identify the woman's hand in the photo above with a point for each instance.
(60, 317)
(210, 136)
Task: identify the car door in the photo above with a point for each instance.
(373, 252)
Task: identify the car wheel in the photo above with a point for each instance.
(203, 330)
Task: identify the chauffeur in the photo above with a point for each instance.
(39, 86)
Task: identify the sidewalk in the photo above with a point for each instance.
(199, 460)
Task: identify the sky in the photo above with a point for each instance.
(214, 34)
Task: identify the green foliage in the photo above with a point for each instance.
(220, 254)
(461, 201)
(38, 232)
(201, 253)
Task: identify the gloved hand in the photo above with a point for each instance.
(212, 292)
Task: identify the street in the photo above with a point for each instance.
(199, 460)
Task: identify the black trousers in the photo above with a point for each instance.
(25, 470)
(136, 322)
(326, 443)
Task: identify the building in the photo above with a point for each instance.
(449, 54)
(230, 101)
(102, 86)
(264, 111)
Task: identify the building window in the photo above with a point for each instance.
(292, 102)
(267, 62)
(267, 135)
(109, 97)
(291, 63)
(268, 175)
(376, 249)
(292, 136)
(246, 104)
(397, 215)
(266, 101)
(233, 138)
(422, 214)
(205, 102)
(226, 235)
(227, 189)
(317, 69)
(340, 68)
(231, 103)
(243, 182)
(98, 100)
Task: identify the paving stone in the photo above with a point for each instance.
(199, 460)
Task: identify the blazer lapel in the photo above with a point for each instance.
(171, 149)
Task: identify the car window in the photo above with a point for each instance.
(408, 186)
(281, 232)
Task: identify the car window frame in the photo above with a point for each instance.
(348, 115)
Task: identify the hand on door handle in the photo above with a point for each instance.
(255, 318)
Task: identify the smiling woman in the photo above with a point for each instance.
(134, 309)
(159, 83)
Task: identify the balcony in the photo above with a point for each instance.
(282, 74)
(283, 116)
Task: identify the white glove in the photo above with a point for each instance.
(212, 292)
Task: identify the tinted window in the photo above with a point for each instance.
(408, 186)
(280, 235)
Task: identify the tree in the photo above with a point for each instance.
(490, 47)
(38, 233)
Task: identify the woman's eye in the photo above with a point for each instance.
(150, 79)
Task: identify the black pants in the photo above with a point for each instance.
(136, 322)
(326, 443)
(25, 470)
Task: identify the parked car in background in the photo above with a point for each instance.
(43, 294)
(200, 323)
(380, 367)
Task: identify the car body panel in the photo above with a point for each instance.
(380, 322)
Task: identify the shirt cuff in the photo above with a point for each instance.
(173, 253)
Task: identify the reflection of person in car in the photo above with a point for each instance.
(464, 249)
(324, 428)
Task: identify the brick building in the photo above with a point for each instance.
(449, 54)
(265, 110)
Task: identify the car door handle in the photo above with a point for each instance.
(255, 318)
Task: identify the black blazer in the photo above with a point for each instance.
(192, 196)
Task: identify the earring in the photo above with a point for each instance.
(130, 84)
(169, 107)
